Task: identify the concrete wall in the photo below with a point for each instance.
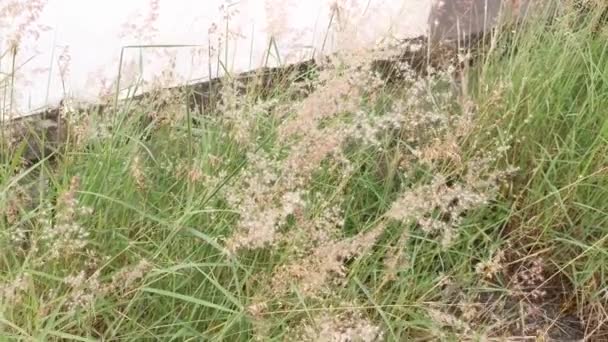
(73, 47)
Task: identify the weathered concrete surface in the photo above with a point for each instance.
(73, 47)
(461, 19)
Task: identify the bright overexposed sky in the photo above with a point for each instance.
(73, 47)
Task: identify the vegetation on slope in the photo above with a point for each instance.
(361, 211)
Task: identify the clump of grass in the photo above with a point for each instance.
(362, 210)
(543, 90)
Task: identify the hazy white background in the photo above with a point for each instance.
(72, 47)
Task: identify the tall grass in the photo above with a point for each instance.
(545, 90)
(344, 208)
